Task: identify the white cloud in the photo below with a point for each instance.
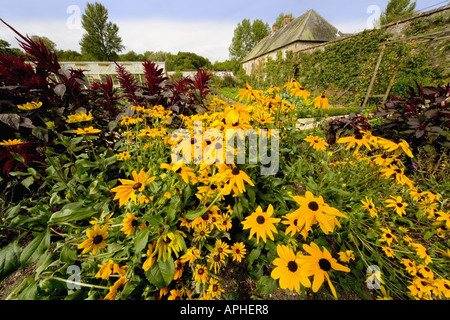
(209, 39)
(56, 30)
(350, 26)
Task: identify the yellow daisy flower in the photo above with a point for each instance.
(316, 142)
(128, 189)
(317, 264)
(88, 130)
(96, 239)
(288, 269)
(30, 106)
(9, 142)
(238, 251)
(261, 223)
(129, 224)
(79, 117)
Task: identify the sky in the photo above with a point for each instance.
(204, 27)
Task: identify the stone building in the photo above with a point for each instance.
(305, 31)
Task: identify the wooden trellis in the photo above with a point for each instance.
(441, 35)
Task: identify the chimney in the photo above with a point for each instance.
(274, 28)
(287, 19)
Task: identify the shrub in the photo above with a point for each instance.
(423, 118)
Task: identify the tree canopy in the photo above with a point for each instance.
(5, 49)
(101, 40)
(246, 36)
(397, 9)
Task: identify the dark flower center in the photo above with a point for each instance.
(97, 239)
(134, 223)
(292, 266)
(237, 251)
(388, 235)
(137, 185)
(324, 264)
(235, 171)
(205, 216)
(260, 220)
(314, 206)
(399, 205)
(200, 271)
(215, 287)
(358, 136)
(213, 187)
(216, 258)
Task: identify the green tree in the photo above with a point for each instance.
(5, 49)
(131, 56)
(280, 19)
(69, 55)
(397, 9)
(188, 61)
(49, 43)
(246, 37)
(101, 40)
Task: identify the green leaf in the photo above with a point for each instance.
(27, 290)
(68, 254)
(174, 207)
(9, 259)
(35, 248)
(18, 173)
(18, 157)
(254, 254)
(192, 214)
(267, 285)
(27, 182)
(40, 133)
(130, 286)
(161, 273)
(428, 235)
(72, 211)
(141, 240)
(12, 212)
(86, 163)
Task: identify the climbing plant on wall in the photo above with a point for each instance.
(345, 68)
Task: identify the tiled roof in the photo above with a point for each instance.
(309, 27)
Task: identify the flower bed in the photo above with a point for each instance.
(130, 223)
(159, 191)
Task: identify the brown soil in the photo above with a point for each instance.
(14, 280)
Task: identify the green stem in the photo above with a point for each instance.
(76, 282)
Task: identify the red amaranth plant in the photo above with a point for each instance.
(105, 95)
(423, 118)
(154, 77)
(129, 85)
(201, 85)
